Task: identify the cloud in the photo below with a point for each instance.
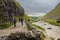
(41, 6)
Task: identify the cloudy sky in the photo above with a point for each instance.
(38, 7)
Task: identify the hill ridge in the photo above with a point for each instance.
(53, 14)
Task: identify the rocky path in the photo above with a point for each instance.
(10, 30)
(51, 30)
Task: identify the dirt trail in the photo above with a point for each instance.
(51, 30)
(10, 30)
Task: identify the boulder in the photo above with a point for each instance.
(20, 36)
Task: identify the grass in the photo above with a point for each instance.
(17, 4)
(26, 17)
(8, 24)
(3, 26)
(38, 27)
(42, 36)
(36, 19)
(52, 38)
(53, 22)
(53, 14)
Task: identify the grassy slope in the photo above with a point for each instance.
(35, 19)
(53, 22)
(54, 14)
(26, 17)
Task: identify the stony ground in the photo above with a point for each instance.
(10, 30)
(51, 30)
(20, 33)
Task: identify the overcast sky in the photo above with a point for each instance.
(37, 7)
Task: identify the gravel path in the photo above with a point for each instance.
(10, 30)
(51, 30)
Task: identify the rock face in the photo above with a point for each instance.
(20, 36)
(8, 9)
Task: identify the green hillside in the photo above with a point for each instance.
(35, 19)
(53, 17)
(53, 14)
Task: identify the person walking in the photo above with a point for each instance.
(21, 20)
(14, 21)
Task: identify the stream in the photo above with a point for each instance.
(51, 30)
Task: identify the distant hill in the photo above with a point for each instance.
(53, 14)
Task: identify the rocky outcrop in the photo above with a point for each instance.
(20, 36)
(33, 29)
(32, 34)
(8, 9)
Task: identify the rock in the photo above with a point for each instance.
(33, 35)
(34, 31)
(30, 26)
(58, 39)
(3, 37)
(20, 36)
(8, 9)
(49, 28)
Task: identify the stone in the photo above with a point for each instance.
(58, 39)
(20, 36)
(49, 28)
